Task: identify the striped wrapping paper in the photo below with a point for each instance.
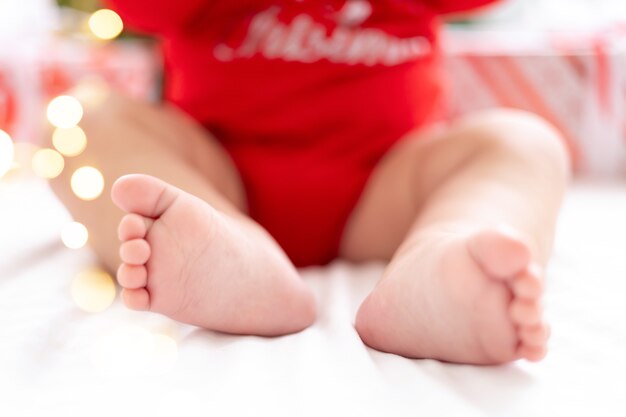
(575, 80)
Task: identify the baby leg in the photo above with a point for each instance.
(468, 215)
(192, 255)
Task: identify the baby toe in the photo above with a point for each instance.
(529, 284)
(500, 252)
(525, 313)
(532, 353)
(136, 299)
(133, 226)
(132, 276)
(135, 252)
(534, 335)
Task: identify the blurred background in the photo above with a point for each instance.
(563, 59)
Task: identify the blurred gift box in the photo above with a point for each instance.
(576, 80)
(30, 78)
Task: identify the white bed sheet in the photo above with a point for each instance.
(58, 360)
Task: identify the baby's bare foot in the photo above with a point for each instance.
(184, 259)
(469, 298)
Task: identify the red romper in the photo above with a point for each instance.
(306, 96)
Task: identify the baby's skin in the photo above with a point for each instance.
(463, 215)
(471, 296)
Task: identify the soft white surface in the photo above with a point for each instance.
(57, 360)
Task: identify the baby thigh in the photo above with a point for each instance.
(125, 136)
(497, 166)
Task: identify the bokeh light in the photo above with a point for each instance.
(47, 163)
(70, 142)
(87, 183)
(93, 290)
(65, 111)
(129, 349)
(122, 350)
(106, 24)
(74, 235)
(163, 355)
(91, 91)
(7, 152)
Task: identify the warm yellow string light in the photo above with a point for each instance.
(87, 183)
(47, 163)
(74, 235)
(91, 91)
(129, 349)
(65, 112)
(163, 355)
(69, 142)
(93, 290)
(105, 24)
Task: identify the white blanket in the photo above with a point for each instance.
(57, 360)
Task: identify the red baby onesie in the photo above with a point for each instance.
(306, 96)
